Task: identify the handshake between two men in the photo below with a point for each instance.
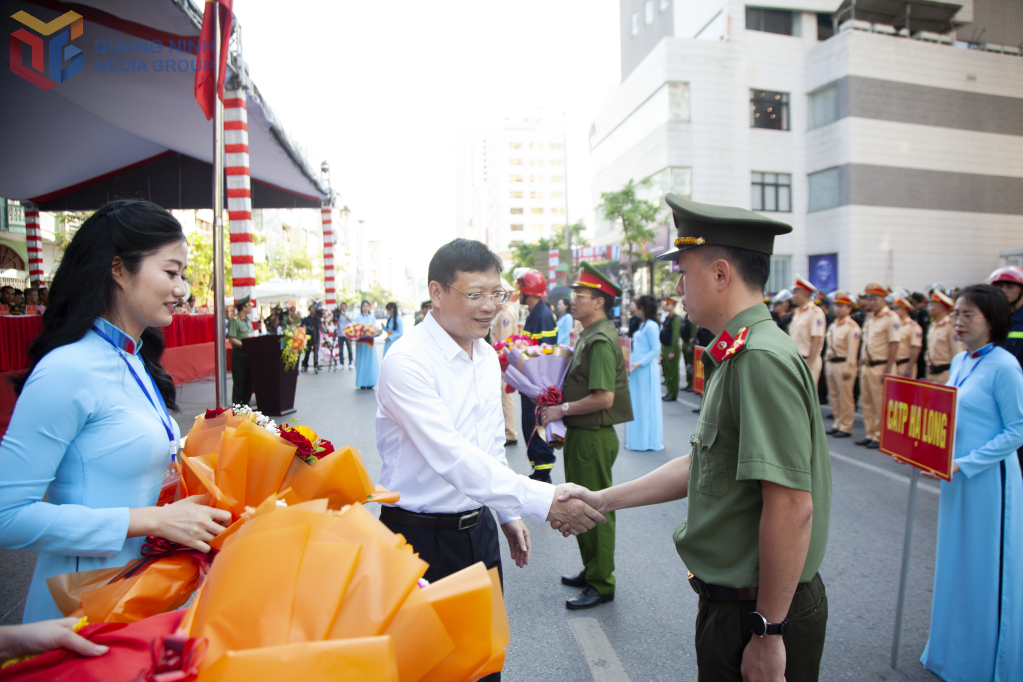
(568, 514)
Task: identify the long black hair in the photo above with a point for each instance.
(83, 286)
(392, 315)
(994, 306)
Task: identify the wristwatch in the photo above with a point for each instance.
(760, 627)
(564, 409)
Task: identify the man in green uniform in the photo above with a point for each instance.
(671, 353)
(238, 328)
(596, 397)
(758, 478)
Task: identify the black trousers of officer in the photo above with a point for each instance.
(540, 455)
(449, 551)
(722, 633)
(241, 375)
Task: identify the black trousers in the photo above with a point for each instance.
(241, 373)
(541, 456)
(449, 551)
(722, 633)
(342, 343)
(312, 347)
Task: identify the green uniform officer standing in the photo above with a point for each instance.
(596, 397)
(758, 477)
(671, 354)
(238, 328)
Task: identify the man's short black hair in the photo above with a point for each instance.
(462, 255)
(608, 299)
(5, 287)
(993, 304)
(753, 267)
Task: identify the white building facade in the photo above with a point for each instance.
(511, 184)
(894, 158)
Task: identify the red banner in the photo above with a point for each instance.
(918, 424)
(698, 369)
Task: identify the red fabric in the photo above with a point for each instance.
(185, 330)
(16, 333)
(204, 88)
(129, 658)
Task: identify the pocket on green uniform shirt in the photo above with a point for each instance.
(713, 477)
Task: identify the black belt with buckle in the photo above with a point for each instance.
(875, 363)
(837, 359)
(902, 362)
(938, 369)
(722, 593)
(457, 521)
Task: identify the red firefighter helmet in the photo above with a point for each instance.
(532, 283)
(1007, 274)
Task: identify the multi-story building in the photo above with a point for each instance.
(13, 247)
(892, 143)
(511, 184)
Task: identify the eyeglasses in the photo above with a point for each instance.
(477, 299)
(578, 294)
(966, 316)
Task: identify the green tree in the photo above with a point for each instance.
(200, 266)
(636, 216)
(523, 255)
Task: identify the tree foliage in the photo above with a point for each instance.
(200, 267)
(636, 216)
(524, 254)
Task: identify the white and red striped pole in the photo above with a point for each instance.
(34, 245)
(239, 192)
(326, 219)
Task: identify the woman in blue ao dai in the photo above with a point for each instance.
(394, 327)
(646, 431)
(367, 367)
(977, 610)
(91, 437)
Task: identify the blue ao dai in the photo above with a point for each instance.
(397, 329)
(367, 366)
(646, 432)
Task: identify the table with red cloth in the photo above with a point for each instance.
(17, 332)
(188, 330)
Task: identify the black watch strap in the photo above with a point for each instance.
(760, 627)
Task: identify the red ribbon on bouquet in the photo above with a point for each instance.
(176, 658)
(549, 396)
(157, 548)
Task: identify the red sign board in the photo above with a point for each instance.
(918, 424)
(698, 369)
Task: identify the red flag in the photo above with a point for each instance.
(204, 90)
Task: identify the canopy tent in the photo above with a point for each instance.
(129, 126)
(277, 290)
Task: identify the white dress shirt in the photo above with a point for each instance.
(440, 430)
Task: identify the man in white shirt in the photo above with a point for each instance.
(440, 428)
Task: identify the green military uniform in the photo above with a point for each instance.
(687, 350)
(591, 443)
(760, 421)
(671, 366)
(241, 373)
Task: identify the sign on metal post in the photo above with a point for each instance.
(698, 369)
(918, 428)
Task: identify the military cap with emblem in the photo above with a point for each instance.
(876, 289)
(805, 285)
(940, 296)
(698, 224)
(592, 278)
(902, 301)
(240, 303)
(843, 297)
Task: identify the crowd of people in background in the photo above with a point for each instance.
(30, 301)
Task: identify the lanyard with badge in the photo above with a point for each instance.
(981, 354)
(163, 413)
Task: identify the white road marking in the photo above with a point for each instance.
(603, 662)
(926, 487)
(690, 404)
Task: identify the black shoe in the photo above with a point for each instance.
(831, 432)
(841, 434)
(575, 580)
(669, 398)
(509, 443)
(696, 409)
(544, 476)
(588, 599)
(688, 389)
(873, 445)
(864, 441)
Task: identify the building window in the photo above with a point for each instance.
(769, 109)
(511, 145)
(781, 274)
(557, 162)
(536, 145)
(769, 20)
(534, 211)
(635, 24)
(517, 227)
(678, 102)
(536, 227)
(536, 178)
(557, 145)
(772, 192)
(515, 178)
(515, 195)
(536, 162)
(536, 195)
(557, 211)
(557, 195)
(557, 178)
(825, 29)
(516, 210)
(823, 189)
(648, 12)
(514, 162)
(823, 105)
(675, 180)
(664, 5)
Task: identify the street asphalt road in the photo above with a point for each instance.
(647, 632)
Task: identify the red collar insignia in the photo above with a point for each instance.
(727, 346)
(738, 344)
